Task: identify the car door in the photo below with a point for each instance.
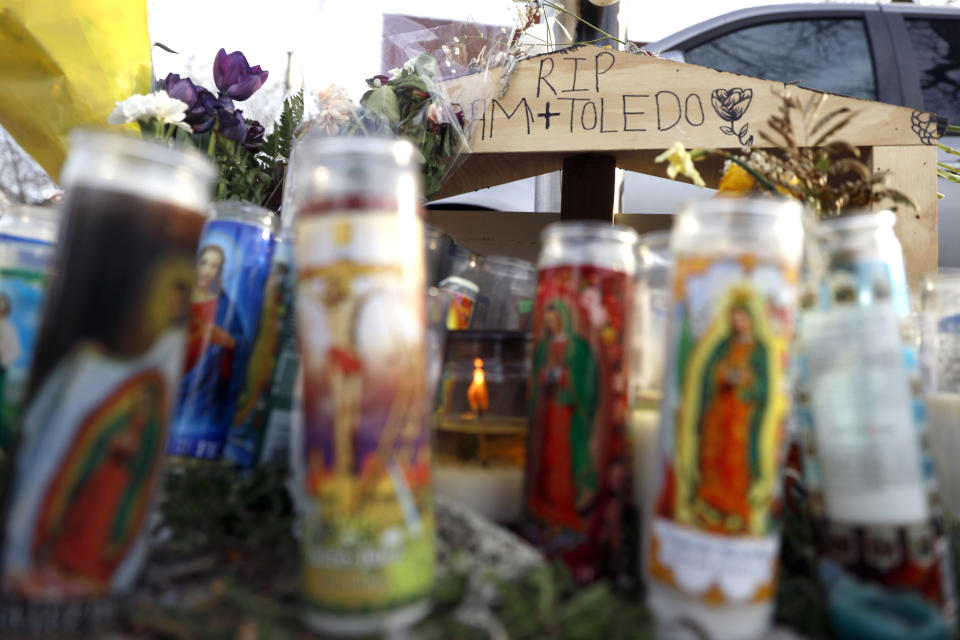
(928, 46)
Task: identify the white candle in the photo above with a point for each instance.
(644, 428)
(943, 425)
(495, 492)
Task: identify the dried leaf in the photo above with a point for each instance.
(850, 165)
(826, 136)
(827, 118)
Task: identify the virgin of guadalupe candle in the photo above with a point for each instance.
(27, 237)
(368, 539)
(578, 502)
(870, 477)
(103, 384)
(233, 263)
(712, 551)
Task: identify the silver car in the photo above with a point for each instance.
(896, 53)
(900, 54)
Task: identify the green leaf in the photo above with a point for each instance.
(280, 141)
(160, 45)
(383, 101)
(426, 65)
(948, 149)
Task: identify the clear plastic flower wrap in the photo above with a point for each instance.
(447, 74)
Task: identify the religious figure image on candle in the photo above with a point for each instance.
(366, 445)
(214, 335)
(733, 398)
(565, 394)
(358, 400)
(226, 303)
(96, 503)
(722, 481)
(21, 301)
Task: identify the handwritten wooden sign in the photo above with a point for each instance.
(587, 98)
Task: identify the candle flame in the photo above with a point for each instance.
(477, 394)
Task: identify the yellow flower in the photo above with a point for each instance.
(680, 162)
(736, 181)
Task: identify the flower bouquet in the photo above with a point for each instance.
(417, 101)
(250, 163)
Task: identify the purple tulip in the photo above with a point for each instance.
(234, 77)
(232, 125)
(181, 89)
(254, 137)
(203, 114)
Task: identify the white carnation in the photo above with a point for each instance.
(142, 108)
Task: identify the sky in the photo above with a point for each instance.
(338, 41)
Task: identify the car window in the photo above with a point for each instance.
(936, 43)
(829, 55)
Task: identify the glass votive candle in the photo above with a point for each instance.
(480, 421)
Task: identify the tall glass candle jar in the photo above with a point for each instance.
(226, 303)
(368, 540)
(578, 502)
(27, 243)
(871, 482)
(103, 383)
(940, 359)
(648, 339)
(712, 554)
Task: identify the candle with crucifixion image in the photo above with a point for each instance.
(368, 552)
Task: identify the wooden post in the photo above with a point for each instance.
(587, 189)
(913, 171)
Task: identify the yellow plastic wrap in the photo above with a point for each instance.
(65, 63)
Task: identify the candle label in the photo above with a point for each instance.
(233, 263)
(21, 301)
(868, 472)
(463, 300)
(361, 324)
(578, 500)
(261, 421)
(724, 417)
(942, 370)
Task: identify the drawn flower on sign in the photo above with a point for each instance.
(731, 105)
(928, 126)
